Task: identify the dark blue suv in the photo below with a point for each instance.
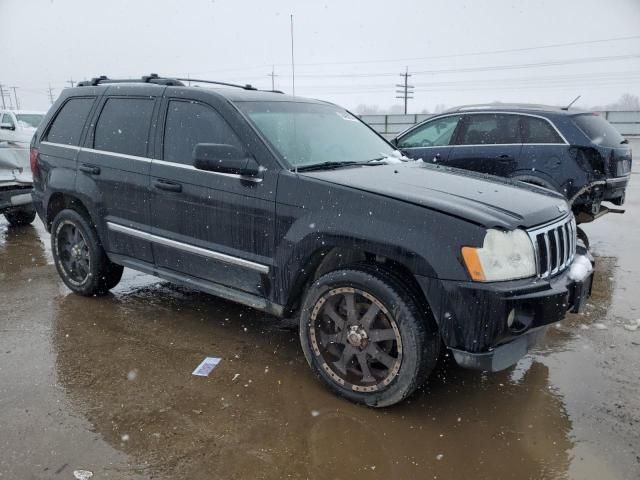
(578, 154)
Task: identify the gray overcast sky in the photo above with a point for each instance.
(348, 52)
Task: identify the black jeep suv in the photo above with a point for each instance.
(578, 154)
(295, 207)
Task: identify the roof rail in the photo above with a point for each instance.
(157, 80)
(495, 106)
(151, 78)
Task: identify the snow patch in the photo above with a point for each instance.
(580, 268)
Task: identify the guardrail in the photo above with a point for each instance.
(627, 122)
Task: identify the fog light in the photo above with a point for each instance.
(511, 317)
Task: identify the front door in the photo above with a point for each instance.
(208, 225)
(487, 143)
(430, 141)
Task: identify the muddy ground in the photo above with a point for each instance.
(105, 384)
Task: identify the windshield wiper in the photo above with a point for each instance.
(324, 166)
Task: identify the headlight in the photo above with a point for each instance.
(503, 256)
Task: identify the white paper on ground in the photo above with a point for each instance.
(206, 366)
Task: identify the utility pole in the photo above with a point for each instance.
(273, 76)
(293, 64)
(71, 82)
(2, 94)
(50, 94)
(407, 89)
(15, 94)
(5, 93)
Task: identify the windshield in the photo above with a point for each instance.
(307, 134)
(599, 130)
(29, 120)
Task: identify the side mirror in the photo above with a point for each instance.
(215, 157)
(7, 126)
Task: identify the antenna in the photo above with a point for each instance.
(574, 101)
(293, 65)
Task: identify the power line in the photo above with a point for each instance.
(406, 88)
(482, 69)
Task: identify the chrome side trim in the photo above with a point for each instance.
(462, 112)
(149, 160)
(114, 154)
(191, 167)
(188, 248)
(61, 145)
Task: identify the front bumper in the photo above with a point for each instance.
(17, 197)
(472, 317)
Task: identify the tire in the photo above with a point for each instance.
(340, 347)
(582, 235)
(17, 218)
(79, 257)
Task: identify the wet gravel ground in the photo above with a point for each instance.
(105, 385)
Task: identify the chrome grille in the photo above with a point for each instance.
(554, 245)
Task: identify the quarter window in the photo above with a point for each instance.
(537, 130)
(190, 123)
(490, 129)
(68, 124)
(432, 134)
(123, 126)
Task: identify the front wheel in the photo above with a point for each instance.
(79, 257)
(366, 337)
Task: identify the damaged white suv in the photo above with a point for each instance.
(16, 183)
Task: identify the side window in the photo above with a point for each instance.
(490, 129)
(431, 134)
(123, 126)
(190, 123)
(537, 130)
(69, 122)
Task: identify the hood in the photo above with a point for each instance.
(14, 166)
(485, 200)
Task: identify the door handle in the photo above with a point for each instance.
(505, 157)
(90, 169)
(168, 186)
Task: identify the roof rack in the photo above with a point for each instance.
(157, 80)
(487, 106)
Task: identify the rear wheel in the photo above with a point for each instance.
(79, 257)
(20, 217)
(366, 337)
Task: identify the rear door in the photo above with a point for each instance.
(544, 151)
(430, 141)
(114, 168)
(487, 143)
(213, 226)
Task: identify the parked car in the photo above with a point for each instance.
(578, 154)
(18, 126)
(15, 186)
(295, 207)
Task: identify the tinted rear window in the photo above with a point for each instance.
(123, 126)
(598, 130)
(68, 124)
